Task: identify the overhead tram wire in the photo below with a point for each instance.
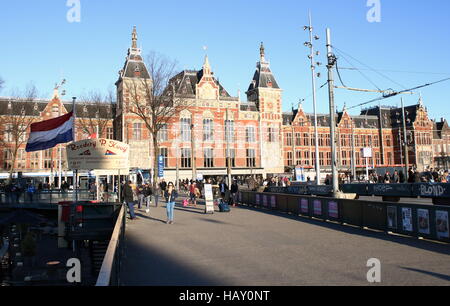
(370, 68)
(360, 72)
(304, 99)
(398, 71)
(398, 93)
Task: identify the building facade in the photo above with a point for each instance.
(217, 130)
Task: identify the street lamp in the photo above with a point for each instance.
(313, 74)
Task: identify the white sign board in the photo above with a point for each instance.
(367, 152)
(101, 154)
(209, 199)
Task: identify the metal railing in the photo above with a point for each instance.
(424, 221)
(424, 190)
(110, 271)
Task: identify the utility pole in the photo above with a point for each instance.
(193, 161)
(331, 62)
(228, 135)
(353, 153)
(405, 142)
(313, 73)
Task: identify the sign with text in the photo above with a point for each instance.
(209, 199)
(101, 154)
(160, 166)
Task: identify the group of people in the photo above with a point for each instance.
(145, 193)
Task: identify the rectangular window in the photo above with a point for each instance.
(21, 159)
(35, 160)
(185, 129)
(305, 139)
(289, 159)
(229, 131)
(208, 158)
(8, 133)
(164, 152)
(250, 134)
(109, 133)
(251, 158)
(272, 135)
(186, 158)
(298, 158)
(137, 131)
(288, 140)
(163, 133)
(306, 161)
(230, 156)
(298, 139)
(321, 158)
(208, 130)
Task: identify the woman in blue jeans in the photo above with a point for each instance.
(171, 195)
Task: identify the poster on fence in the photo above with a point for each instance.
(333, 209)
(304, 206)
(407, 219)
(442, 224)
(264, 200)
(258, 201)
(273, 201)
(423, 221)
(392, 217)
(317, 207)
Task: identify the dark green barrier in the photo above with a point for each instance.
(282, 202)
(321, 190)
(292, 206)
(258, 200)
(394, 190)
(359, 189)
(352, 212)
(431, 190)
(374, 215)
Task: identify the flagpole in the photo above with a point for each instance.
(75, 177)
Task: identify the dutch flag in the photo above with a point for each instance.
(47, 134)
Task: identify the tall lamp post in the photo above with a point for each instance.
(313, 74)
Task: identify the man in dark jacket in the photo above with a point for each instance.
(128, 199)
(234, 191)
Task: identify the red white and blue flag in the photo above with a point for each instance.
(47, 134)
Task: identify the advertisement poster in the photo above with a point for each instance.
(407, 219)
(423, 221)
(273, 201)
(304, 206)
(317, 207)
(392, 217)
(258, 199)
(442, 224)
(264, 200)
(333, 209)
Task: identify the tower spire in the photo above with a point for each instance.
(262, 52)
(206, 66)
(134, 38)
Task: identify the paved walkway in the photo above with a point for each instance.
(249, 247)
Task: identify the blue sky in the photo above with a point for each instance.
(39, 45)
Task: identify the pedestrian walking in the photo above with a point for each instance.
(147, 192)
(140, 195)
(171, 195)
(162, 187)
(128, 198)
(234, 191)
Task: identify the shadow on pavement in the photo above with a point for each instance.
(436, 247)
(437, 275)
(147, 266)
(142, 216)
